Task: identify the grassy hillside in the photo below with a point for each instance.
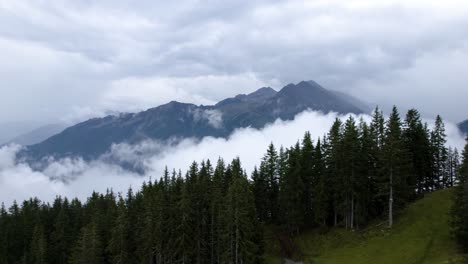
(420, 236)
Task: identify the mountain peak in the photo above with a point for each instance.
(259, 95)
(262, 93)
(310, 95)
(303, 88)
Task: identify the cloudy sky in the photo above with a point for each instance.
(70, 60)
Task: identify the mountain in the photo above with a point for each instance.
(366, 107)
(464, 126)
(175, 120)
(38, 135)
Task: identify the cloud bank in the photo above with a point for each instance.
(77, 178)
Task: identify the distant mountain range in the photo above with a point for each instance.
(175, 120)
(38, 135)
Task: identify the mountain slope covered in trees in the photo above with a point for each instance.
(177, 120)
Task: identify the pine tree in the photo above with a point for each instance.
(216, 212)
(366, 181)
(438, 141)
(418, 147)
(394, 164)
(269, 170)
(185, 243)
(321, 187)
(202, 218)
(308, 178)
(3, 234)
(459, 211)
(455, 168)
(89, 248)
(171, 201)
(292, 193)
(260, 191)
(377, 128)
(152, 244)
(75, 212)
(350, 145)
(120, 244)
(377, 136)
(60, 236)
(239, 224)
(15, 245)
(282, 163)
(334, 161)
(38, 253)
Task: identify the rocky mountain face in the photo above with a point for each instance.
(176, 120)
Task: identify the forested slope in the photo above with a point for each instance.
(421, 235)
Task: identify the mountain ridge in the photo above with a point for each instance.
(94, 137)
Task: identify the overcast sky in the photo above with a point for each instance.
(70, 60)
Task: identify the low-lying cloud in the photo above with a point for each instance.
(77, 178)
(213, 117)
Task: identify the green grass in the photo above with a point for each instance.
(420, 235)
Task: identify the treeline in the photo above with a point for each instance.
(356, 173)
(208, 216)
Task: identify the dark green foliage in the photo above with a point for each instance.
(438, 141)
(350, 177)
(269, 171)
(38, 253)
(260, 190)
(308, 178)
(417, 144)
(121, 244)
(394, 165)
(459, 210)
(89, 248)
(321, 187)
(4, 239)
(355, 174)
(239, 224)
(292, 198)
(334, 164)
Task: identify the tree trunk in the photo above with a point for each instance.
(390, 201)
(237, 244)
(336, 217)
(212, 236)
(352, 211)
(346, 211)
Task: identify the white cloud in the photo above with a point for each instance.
(136, 94)
(70, 178)
(214, 117)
